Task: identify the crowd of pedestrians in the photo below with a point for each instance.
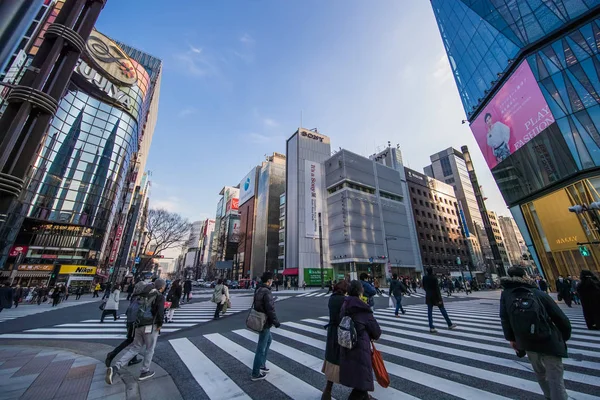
(13, 296)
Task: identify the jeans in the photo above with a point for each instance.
(549, 371)
(262, 348)
(430, 315)
(218, 310)
(399, 304)
(186, 296)
(140, 340)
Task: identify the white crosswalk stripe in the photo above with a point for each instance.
(188, 315)
(473, 361)
(384, 293)
(8, 314)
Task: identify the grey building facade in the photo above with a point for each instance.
(367, 218)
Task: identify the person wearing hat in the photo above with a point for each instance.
(146, 332)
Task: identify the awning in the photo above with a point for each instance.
(39, 274)
(290, 271)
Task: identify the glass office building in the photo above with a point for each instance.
(79, 179)
(528, 74)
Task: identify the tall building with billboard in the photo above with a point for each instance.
(528, 78)
(227, 232)
(87, 176)
(306, 220)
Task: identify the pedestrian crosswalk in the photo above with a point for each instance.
(188, 315)
(418, 294)
(25, 310)
(472, 362)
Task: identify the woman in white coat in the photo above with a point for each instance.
(112, 304)
(220, 297)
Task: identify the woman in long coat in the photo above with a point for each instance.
(174, 297)
(331, 365)
(589, 294)
(112, 304)
(356, 367)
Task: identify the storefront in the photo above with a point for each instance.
(77, 276)
(28, 275)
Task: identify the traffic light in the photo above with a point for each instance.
(584, 251)
(112, 269)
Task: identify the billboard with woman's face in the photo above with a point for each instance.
(512, 118)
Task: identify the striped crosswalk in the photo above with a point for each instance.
(472, 362)
(418, 294)
(188, 315)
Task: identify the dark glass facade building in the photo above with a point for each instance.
(80, 181)
(528, 73)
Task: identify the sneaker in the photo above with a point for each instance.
(134, 361)
(433, 330)
(396, 315)
(110, 372)
(264, 370)
(260, 377)
(146, 375)
(453, 326)
(109, 358)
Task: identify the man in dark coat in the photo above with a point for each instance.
(543, 285)
(545, 355)
(264, 303)
(331, 366)
(397, 288)
(433, 297)
(17, 295)
(356, 367)
(187, 290)
(6, 297)
(589, 294)
(563, 288)
(369, 290)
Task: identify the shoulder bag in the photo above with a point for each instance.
(256, 320)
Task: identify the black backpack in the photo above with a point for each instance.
(143, 313)
(528, 316)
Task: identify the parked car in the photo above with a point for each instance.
(234, 285)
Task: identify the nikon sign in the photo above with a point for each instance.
(77, 269)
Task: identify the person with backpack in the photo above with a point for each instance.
(563, 289)
(433, 297)
(534, 324)
(220, 296)
(174, 296)
(397, 288)
(331, 365)
(131, 317)
(150, 316)
(264, 303)
(356, 330)
(368, 290)
(588, 291)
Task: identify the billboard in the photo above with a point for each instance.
(233, 205)
(512, 118)
(312, 276)
(312, 196)
(248, 186)
(234, 230)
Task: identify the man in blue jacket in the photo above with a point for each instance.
(369, 289)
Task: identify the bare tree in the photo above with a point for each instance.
(164, 230)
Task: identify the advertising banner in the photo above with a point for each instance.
(37, 267)
(77, 269)
(234, 230)
(16, 250)
(248, 186)
(312, 195)
(312, 276)
(513, 117)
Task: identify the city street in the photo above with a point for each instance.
(472, 362)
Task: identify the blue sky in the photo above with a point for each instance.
(238, 73)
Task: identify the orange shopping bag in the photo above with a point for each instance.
(381, 373)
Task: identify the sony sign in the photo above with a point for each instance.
(102, 83)
(381, 156)
(312, 136)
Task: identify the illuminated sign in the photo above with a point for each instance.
(568, 239)
(312, 136)
(110, 59)
(16, 250)
(77, 269)
(43, 267)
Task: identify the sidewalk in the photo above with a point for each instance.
(32, 372)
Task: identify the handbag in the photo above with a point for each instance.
(103, 305)
(256, 320)
(381, 373)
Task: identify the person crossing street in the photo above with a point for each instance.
(264, 303)
(433, 297)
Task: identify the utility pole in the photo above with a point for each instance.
(321, 252)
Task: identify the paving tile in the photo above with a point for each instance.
(4, 373)
(12, 395)
(48, 382)
(35, 366)
(108, 390)
(76, 382)
(17, 361)
(122, 396)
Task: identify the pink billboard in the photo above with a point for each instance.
(512, 118)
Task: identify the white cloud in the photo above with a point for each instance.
(442, 71)
(247, 39)
(270, 122)
(196, 50)
(171, 203)
(187, 111)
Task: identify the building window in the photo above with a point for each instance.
(412, 189)
(419, 192)
(449, 181)
(446, 167)
(429, 215)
